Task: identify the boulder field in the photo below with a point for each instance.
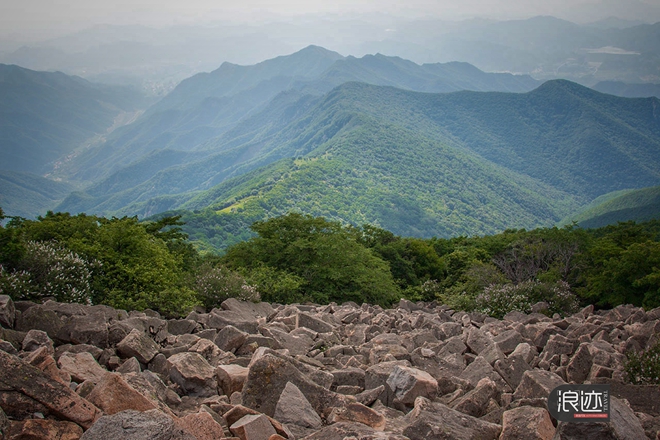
(256, 371)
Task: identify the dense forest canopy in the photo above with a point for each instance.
(130, 264)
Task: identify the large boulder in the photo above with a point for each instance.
(293, 408)
(135, 425)
(409, 383)
(7, 311)
(37, 385)
(138, 345)
(527, 423)
(44, 430)
(112, 394)
(85, 329)
(268, 376)
(430, 420)
(193, 374)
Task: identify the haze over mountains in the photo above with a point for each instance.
(419, 149)
(156, 59)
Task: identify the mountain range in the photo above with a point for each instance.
(156, 59)
(421, 150)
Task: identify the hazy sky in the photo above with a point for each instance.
(29, 15)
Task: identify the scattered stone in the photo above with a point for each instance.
(253, 427)
(202, 425)
(409, 383)
(35, 339)
(537, 384)
(55, 396)
(44, 430)
(231, 378)
(230, 338)
(356, 412)
(193, 374)
(136, 344)
(134, 425)
(81, 367)
(293, 408)
(431, 420)
(527, 423)
(7, 312)
(112, 394)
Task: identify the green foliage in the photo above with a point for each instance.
(643, 368)
(120, 261)
(498, 300)
(215, 284)
(328, 260)
(48, 270)
(639, 205)
(622, 265)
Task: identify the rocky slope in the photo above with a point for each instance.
(261, 371)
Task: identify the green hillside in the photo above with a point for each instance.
(202, 109)
(28, 195)
(45, 116)
(638, 205)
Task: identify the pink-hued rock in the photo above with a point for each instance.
(201, 425)
(112, 394)
(231, 378)
(40, 429)
(253, 427)
(58, 398)
(527, 423)
(81, 367)
(409, 383)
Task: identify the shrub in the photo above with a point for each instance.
(50, 270)
(498, 300)
(643, 368)
(214, 284)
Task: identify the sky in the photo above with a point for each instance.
(53, 16)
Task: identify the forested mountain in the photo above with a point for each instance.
(203, 108)
(46, 117)
(414, 163)
(638, 205)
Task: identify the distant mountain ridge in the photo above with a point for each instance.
(638, 205)
(414, 163)
(45, 117)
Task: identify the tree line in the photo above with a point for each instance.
(134, 265)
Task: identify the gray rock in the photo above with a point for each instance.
(181, 326)
(409, 383)
(230, 338)
(377, 375)
(508, 341)
(85, 329)
(430, 420)
(137, 344)
(527, 423)
(512, 369)
(231, 378)
(352, 430)
(136, 425)
(579, 367)
(293, 408)
(38, 318)
(4, 424)
(253, 427)
(7, 312)
(131, 365)
(193, 374)
(537, 384)
(475, 403)
(267, 378)
(312, 323)
(36, 339)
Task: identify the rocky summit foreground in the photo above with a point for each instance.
(257, 371)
